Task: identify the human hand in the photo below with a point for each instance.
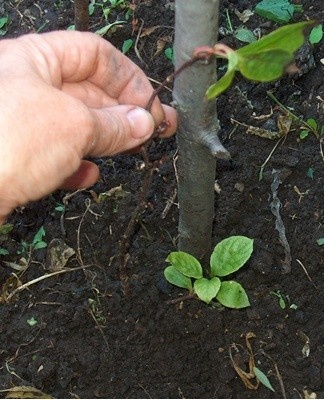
(65, 96)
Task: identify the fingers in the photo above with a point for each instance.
(119, 129)
(92, 70)
(86, 176)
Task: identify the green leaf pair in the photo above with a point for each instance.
(228, 256)
(265, 60)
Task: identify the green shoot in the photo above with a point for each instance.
(3, 252)
(168, 52)
(4, 22)
(36, 244)
(127, 45)
(110, 27)
(32, 321)
(262, 378)
(320, 241)
(243, 34)
(316, 34)
(281, 300)
(308, 126)
(228, 256)
(60, 207)
(263, 61)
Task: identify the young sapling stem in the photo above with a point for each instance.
(125, 242)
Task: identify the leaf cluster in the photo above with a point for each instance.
(228, 256)
(263, 61)
(36, 244)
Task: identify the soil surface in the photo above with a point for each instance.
(74, 334)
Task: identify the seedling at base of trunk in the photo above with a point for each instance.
(228, 256)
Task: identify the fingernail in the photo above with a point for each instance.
(141, 122)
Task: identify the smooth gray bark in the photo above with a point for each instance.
(196, 25)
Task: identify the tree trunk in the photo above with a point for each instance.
(196, 25)
(81, 15)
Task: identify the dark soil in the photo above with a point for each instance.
(89, 340)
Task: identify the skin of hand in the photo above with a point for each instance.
(66, 96)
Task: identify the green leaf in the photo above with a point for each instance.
(303, 134)
(168, 52)
(230, 255)
(316, 34)
(5, 229)
(185, 263)
(32, 321)
(104, 30)
(3, 21)
(245, 35)
(39, 235)
(264, 66)
(40, 245)
(287, 38)
(3, 252)
(127, 45)
(310, 172)
(91, 8)
(207, 289)
(220, 86)
(262, 378)
(175, 277)
(312, 123)
(231, 294)
(276, 10)
(320, 241)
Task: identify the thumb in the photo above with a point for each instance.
(119, 129)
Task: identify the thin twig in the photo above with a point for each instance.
(41, 278)
(188, 296)
(100, 329)
(279, 377)
(305, 270)
(269, 156)
(136, 44)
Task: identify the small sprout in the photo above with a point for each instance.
(127, 45)
(5, 229)
(32, 321)
(36, 244)
(60, 207)
(228, 256)
(110, 27)
(310, 173)
(282, 302)
(309, 126)
(245, 35)
(262, 378)
(3, 252)
(4, 21)
(320, 241)
(168, 52)
(316, 34)
(303, 134)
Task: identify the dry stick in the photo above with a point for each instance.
(305, 270)
(41, 278)
(149, 169)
